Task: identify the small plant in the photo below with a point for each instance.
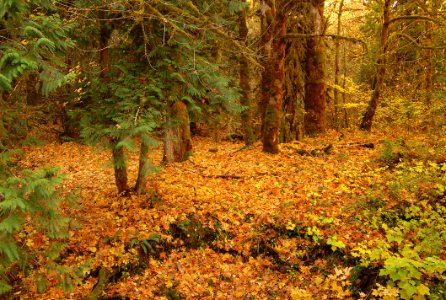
(146, 244)
(392, 152)
(409, 257)
(315, 234)
(29, 211)
(335, 243)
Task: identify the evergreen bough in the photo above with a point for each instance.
(29, 206)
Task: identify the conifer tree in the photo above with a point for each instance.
(161, 63)
(33, 39)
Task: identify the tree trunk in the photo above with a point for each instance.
(337, 68)
(143, 170)
(274, 25)
(429, 66)
(33, 96)
(3, 133)
(119, 164)
(315, 102)
(344, 101)
(366, 123)
(177, 140)
(105, 34)
(248, 131)
(120, 167)
(293, 103)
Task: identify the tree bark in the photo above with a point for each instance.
(247, 128)
(105, 34)
(274, 26)
(33, 97)
(120, 167)
(293, 102)
(141, 181)
(3, 132)
(315, 102)
(367, 120)
(344, 101)
(337, 67)
(177, 140)
(429, 63)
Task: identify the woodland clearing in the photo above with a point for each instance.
(231, 223)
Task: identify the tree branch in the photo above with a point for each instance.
(416, 18)
(204, 20)
(332, 36)
(416, 44)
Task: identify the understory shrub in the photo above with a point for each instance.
(33, 229)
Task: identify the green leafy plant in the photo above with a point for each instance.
(29, 209)
(409, 257)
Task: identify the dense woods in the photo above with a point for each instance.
(227, 149)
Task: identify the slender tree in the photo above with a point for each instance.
(337, 66)
(246, 101)
(378, 81)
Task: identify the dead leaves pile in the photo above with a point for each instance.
(258, 206)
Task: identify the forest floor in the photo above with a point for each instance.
(229, 223)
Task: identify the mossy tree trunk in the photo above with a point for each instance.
(315, 86)
(274, 18)
(119, 164)
(378, 82)
(248, 130)
(120, 167)
(177, 139)
(293, 108)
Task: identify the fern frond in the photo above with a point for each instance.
(32, 31)
(11, 223)
(43, 41)
(5, 83)
(9, 54)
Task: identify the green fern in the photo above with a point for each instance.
(30, 203)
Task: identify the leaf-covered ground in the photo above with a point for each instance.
(229, 223)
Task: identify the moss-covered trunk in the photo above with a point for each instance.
(120, 167)
(293, 102)
(367, 119)
(315, 102)
(274, 26)
(177, 139)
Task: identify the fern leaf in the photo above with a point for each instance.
(4, 287)
(236, 6)
(43, 41)
(11, 203)
(9, 54)
(5, 83)
(32, 31)
(9, 248)
(11, 223)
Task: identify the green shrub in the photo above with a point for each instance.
(29, 208)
